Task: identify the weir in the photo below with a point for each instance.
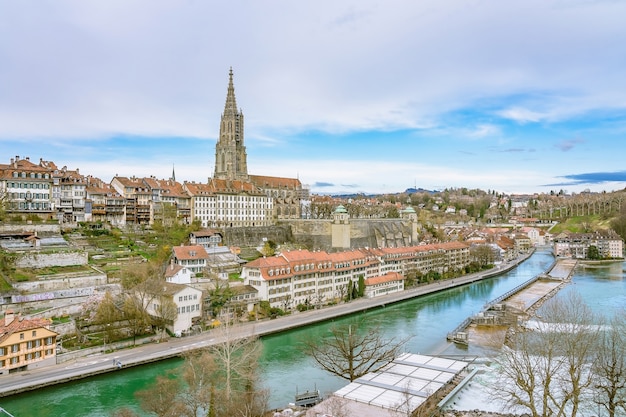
(523, 299)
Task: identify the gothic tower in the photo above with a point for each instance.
(230, 152)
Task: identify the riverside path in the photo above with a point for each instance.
(108, 362)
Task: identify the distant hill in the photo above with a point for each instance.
(419, 190)
(373, 195)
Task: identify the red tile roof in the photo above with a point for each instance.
(275, 182)
(190, 252)
(20, 324)
(388, 277)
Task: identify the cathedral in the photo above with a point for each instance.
(234, 198)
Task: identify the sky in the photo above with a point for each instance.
(363, 96)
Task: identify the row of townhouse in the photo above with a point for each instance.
(43, 189)
(316, 277)
(50, 192)
(576, 245)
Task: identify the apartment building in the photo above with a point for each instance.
(170, 201)
(229, 203)
(575, 245)
(315, 277)
(25, 343)
(104, 204)
(27, 187)
(137, 199)
(69, 195)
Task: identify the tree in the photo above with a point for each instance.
(351, 354)
(610, 367)
(219, 296)
(4, 204)
(162, 397)
(269, 248)
(108, 313)
(361, 286)
(166, 312)
(136, 315)
(593, 252)
(546, 371)
(135, 274)
(482, 255)
(221, 380)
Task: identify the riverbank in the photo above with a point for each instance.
(81, 367)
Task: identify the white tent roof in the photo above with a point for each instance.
(409, 378)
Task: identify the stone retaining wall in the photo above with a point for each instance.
(42, 260)
(61, 283)
(28, 228)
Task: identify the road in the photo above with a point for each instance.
(106, 362)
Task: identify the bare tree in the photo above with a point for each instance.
(4, 203)
(482, 255)
(162, 397)
(547, 371)
(237, 354)
(219, 381)
(610, 367)
(335, 406)
(135, 315)
(165, 313)
(351, 354)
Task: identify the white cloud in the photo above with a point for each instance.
(73, 68)
(521, 115)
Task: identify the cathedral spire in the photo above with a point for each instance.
(230, 152)
(230, 109)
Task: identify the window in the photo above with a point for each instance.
(34, 333)
(15, 348)
(21, 336)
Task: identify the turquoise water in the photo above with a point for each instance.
(425, 320)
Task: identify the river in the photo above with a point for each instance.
(426, 320)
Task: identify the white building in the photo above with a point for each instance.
(382, 285)
(193, 257)
(177, 274)
(316, 277)
(188, 301)
(609, 244)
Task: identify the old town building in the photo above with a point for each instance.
(318, 277)
(576, 245)
(25, 343)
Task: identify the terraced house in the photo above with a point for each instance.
(318, 277)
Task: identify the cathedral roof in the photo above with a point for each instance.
(264, 181)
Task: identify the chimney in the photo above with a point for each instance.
(9, 316)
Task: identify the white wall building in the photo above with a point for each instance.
(188, 301)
